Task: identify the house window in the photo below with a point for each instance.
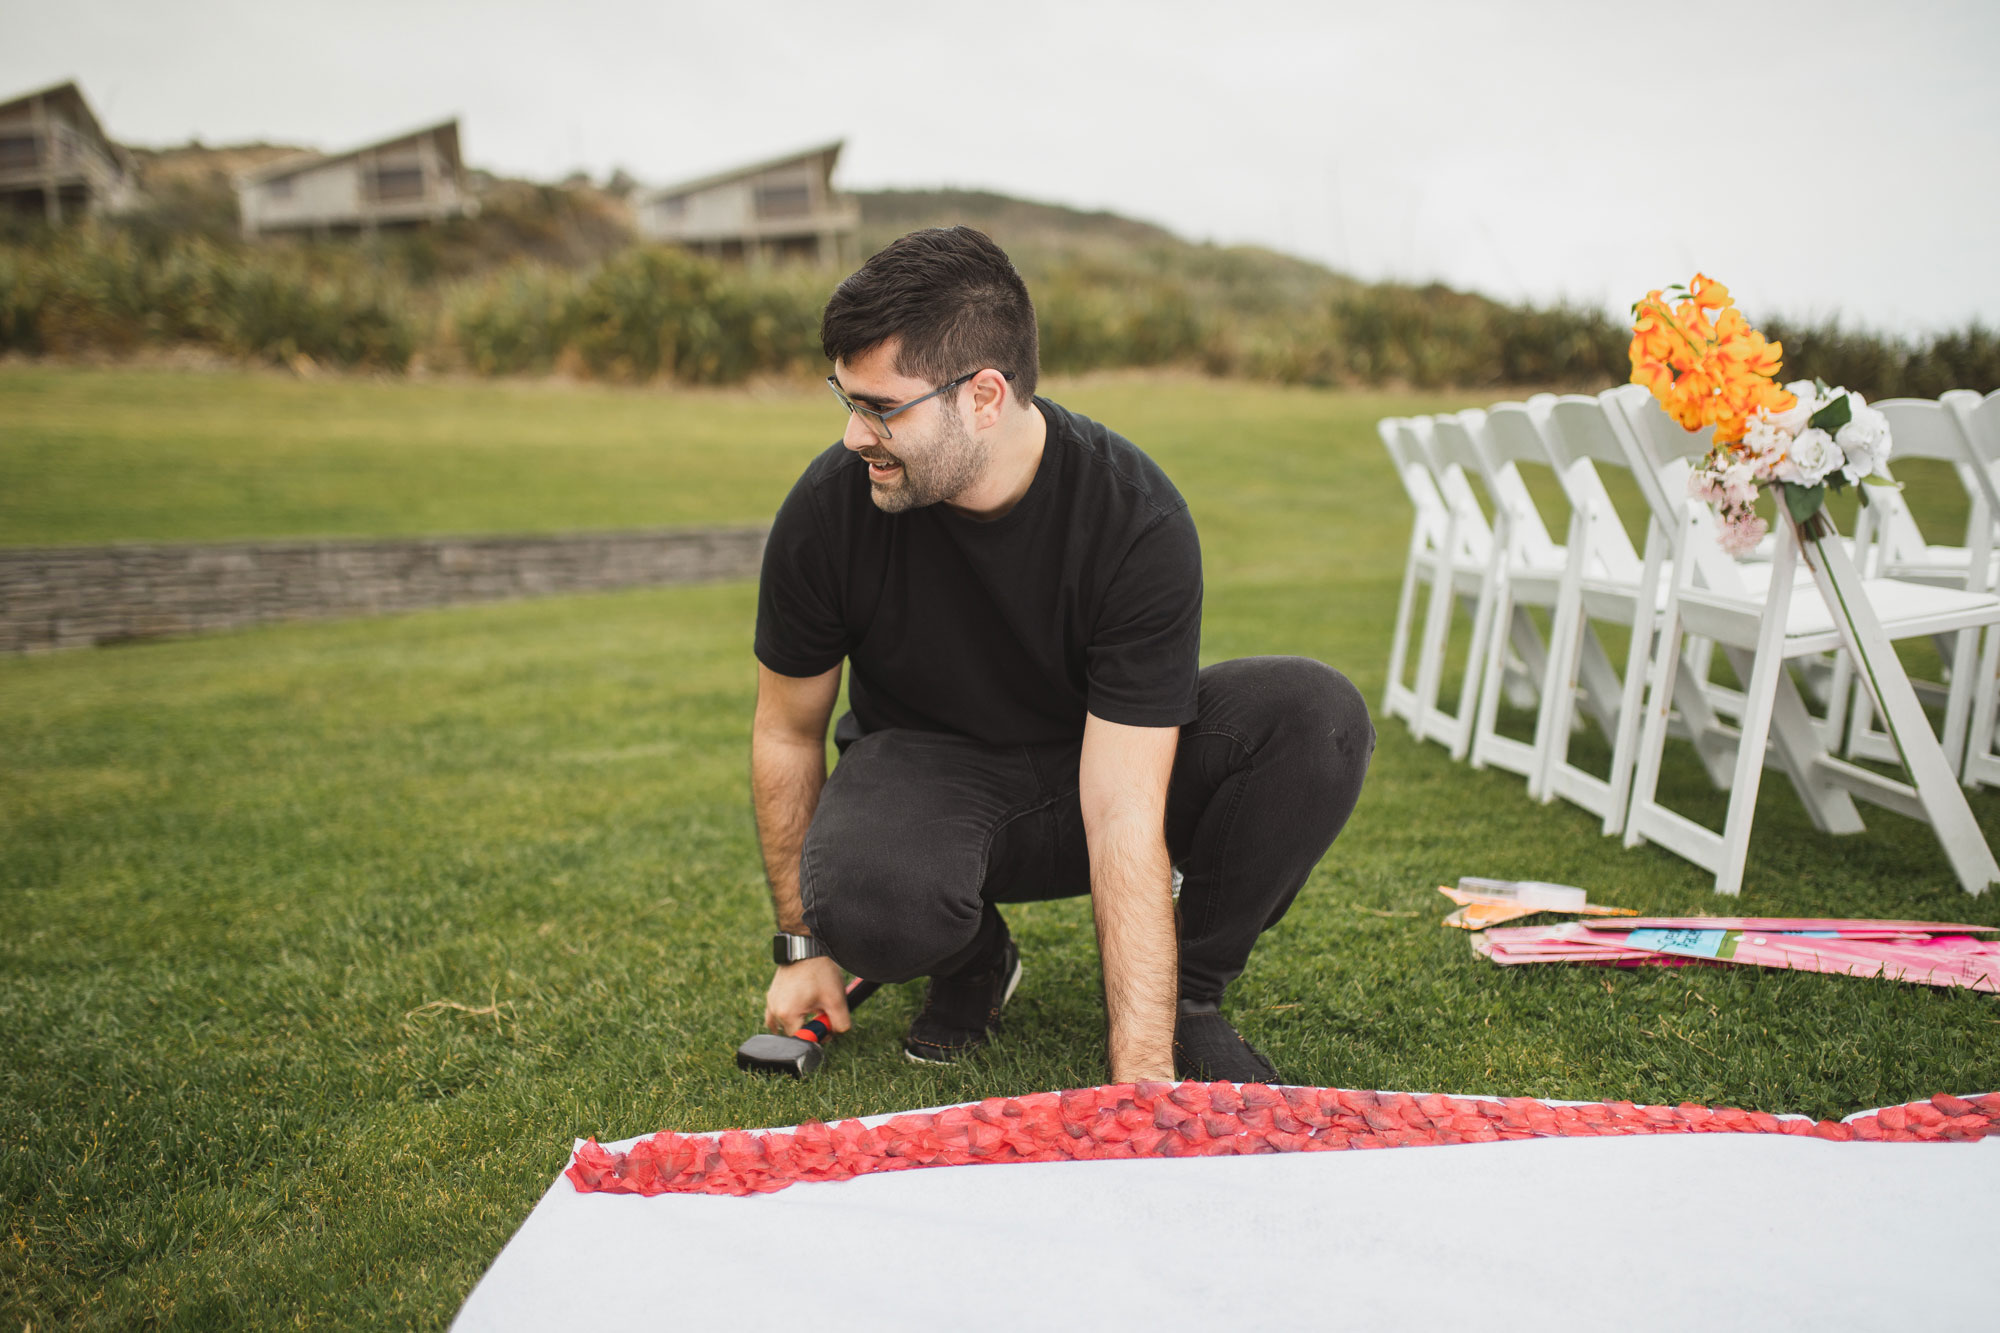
(280, 188)
(784, 201)
(19, 152)
(389, 184)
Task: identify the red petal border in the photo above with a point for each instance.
(1127, 1120)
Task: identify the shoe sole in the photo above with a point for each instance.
(916, 1059)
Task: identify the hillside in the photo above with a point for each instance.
(548, 276)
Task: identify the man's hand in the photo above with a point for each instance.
(802, 989)
(1123, 790)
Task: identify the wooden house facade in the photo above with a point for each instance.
(55, 160)
(408, 180)
(783, 209)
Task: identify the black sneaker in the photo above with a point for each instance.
(1209, 1050)
(961, 1009)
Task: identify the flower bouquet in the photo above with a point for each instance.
(1695, 351)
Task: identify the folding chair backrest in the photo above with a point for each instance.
(1658, 450)
(1462, 438)
(1980, 418)
(1415, 474)
(1925, 428)
(1942, 430)
(1417, 435)
(1521, 431)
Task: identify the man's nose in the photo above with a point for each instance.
(858, 435)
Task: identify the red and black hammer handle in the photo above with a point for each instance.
(816, 1028)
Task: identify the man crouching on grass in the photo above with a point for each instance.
(1017, 591)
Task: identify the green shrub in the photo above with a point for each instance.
(20, 304)
(276, 311)
(1880, 367)
(514, 322)
(655, 310)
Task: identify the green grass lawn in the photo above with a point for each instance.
(318, 944)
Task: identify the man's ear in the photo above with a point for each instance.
(990, 395)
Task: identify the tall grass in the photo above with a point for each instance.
(641, 312)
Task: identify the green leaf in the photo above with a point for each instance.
(1822, 386)
(1883, 480)
(1804, 501)
(1834, 415)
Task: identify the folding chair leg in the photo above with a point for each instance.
(1760, 696)
(1981, 764)
(1487, 718)
(1631, 700)
(1660, 691)
(1437, 625)
(1483, 627)
(1957, 711)
(1405, 608)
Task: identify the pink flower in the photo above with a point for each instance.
(1740, 533)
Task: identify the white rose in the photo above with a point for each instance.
(1793, 419)
(1811, 456)
(1763, 441)
(1864, 440)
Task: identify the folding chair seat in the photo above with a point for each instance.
(1761, 633)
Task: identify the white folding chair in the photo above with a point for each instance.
(1440, 552)
(1527, 572)
(1979, 419)
(1926, 429)
(1606, 581)
(1760, 633)
(1452, 465)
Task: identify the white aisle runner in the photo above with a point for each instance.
(1695, 1231)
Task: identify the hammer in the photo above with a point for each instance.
(800, 1053)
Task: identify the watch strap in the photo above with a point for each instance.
(789, 948)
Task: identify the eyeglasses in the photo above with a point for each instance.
(878, 422)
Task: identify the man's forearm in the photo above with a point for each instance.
(1131, 886)
(786, 775)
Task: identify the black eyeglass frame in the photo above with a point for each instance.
(878, 421)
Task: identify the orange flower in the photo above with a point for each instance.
(1705, 372)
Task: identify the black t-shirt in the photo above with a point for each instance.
(1086, 595)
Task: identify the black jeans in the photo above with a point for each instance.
(918, 833)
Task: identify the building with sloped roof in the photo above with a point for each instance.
(56, 161)
(782, 209)
(408, 180)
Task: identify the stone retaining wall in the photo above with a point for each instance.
(75, 596)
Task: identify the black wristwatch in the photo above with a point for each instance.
(795, 948)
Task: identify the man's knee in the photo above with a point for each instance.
(1299, 700)
(883, 912)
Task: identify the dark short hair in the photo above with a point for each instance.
(953, 298)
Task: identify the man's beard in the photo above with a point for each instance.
(951, 463)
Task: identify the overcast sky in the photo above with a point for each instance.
(1818, 157)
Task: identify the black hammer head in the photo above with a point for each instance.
(768, 1053)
